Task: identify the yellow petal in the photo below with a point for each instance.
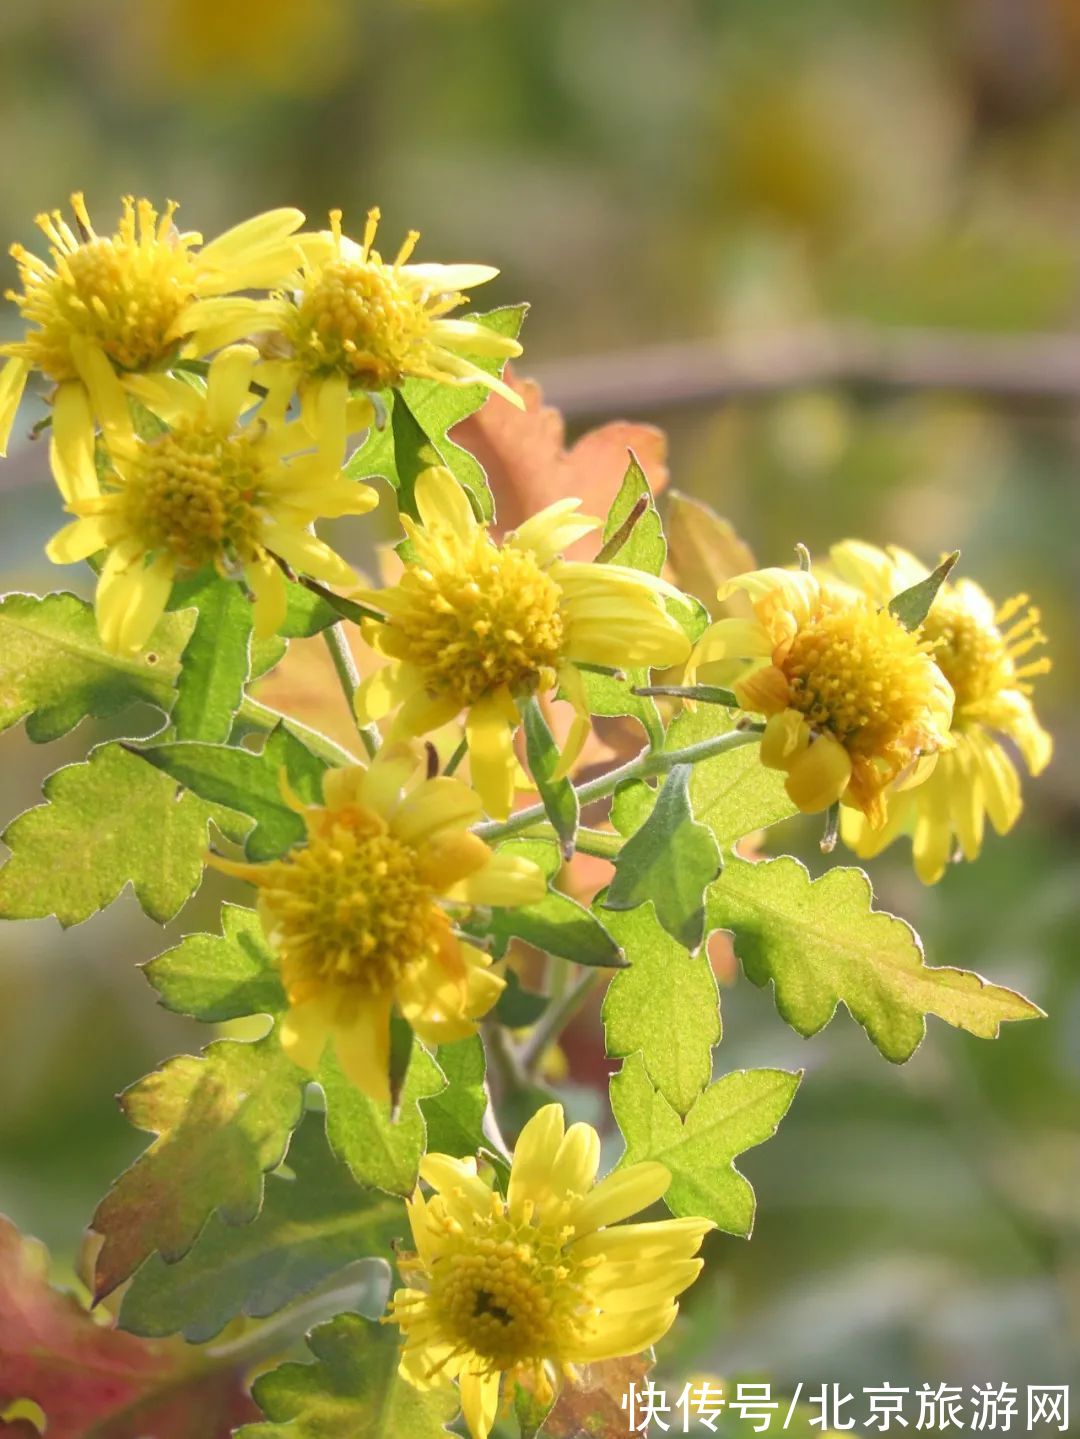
(534, 1154)
(786, 736)
(625, 1334)
(12, 384)
(491, 754)
(267, 584)
(448, 858)
(106, 393)
(553, 530)
(1001, 783)
(256, 254)
(363, 1049)
(79, 540)
(620, 1195)
(480, 1402)
(386, 777)
(506, 879)
(440, 500)
(228, 385)
(573, 687)
(71, 445)
(304, 1031)
(576, 1160)
(819, 776)
(389, 686)
(435, 806)
(421, 713)
(307, 554)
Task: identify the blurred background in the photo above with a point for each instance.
(760, 189)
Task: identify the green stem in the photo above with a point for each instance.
(349, 679)
(262, 718)
(647, 764)
(456, 758)
(555, 1019)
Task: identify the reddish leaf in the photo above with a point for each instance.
(528, 466)
(91, 1379)
(594, 1408)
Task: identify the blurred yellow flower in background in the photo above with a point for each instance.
(531, 1285)
(222, 485)
(355, 914)
(126, 296)
(981, 649)
(851, 699)
(474, 626)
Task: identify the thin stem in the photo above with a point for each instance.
(262, 718)
(504, 1068)
(555, 1019)
(349, 679)
(456, 758)
(648, 763)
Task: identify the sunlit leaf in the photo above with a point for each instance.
(912, 605)
(556, 923)
(559, 796)
(381, 1151)
(215, 977)
(733, 793)
(216, 663)
(665, 1004)
(221, 1120)
(455, 1116)
(733, 1114)
(821, 943)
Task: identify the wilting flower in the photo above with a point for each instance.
(222, 485)
(129, 297)
(350, 318)
(474, 626)
(356, 914)
(531, 1285)
(852, 700)
(981, 650)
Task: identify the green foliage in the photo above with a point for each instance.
(216, 661)
(115, 821)
(821, 943)
(670, 860)
(398, 451)
(314, 1222)
(912, 605)
(216, 977)
(558, 795)
(222, 1120)
(381, 1150)
(55, 672)
(665, 1005)
(455, 1116)
(734, 1114)
(250, 783)
(733, 793)
(556, 923)
(352, 1391)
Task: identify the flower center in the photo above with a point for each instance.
(510, 1293)
(357, 318)
(856, 673)
(974, 655)
(486, 618)
(348, 909)
(124, 292)
(194, 492)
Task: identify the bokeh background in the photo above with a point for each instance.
(740, 173)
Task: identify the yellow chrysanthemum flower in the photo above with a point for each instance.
(131, 296)
(473, 626)
(531, 1285)
(982, 651)
(349, 315)
(851, 699)
(224, 484)
(356, 920)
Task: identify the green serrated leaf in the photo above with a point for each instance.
(217, 977)
(54, 671)
(222, 1120)
(610, 696)
(455, 1116)
(436, 408)
(314, 1222)
(380, 1151)
(665, 1004)
(249, 783)
(557, 923)
(352, 1391)
(413, 453)
(519, 1008)
(822, 943)
(631, 805)
(559, 796)
(114, 821)
(216, 663)
(733, 793)
(670, 860)
(644, 548)
(911, 606)
(734, 1114)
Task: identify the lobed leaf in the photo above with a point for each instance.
(217, 977)
(911, 606)
(222, 1120)
(381, 1151)
(556, 923)
(670, 860)
(249, 783)
(733, 793)
(216, 663)
(455, 1115)
(90, 1379)
(314, 1222)
(558, 795)
(821, 943)
(55, 672)
(352, 1391)
(736, 1113)
(593, 1406)
(665, 1004)
(115, 821)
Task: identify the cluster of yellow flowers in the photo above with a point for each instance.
(194, 423)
